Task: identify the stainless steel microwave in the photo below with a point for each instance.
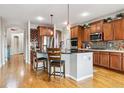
(98, 36)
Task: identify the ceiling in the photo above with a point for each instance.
(19, 14)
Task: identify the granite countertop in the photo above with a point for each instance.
(120, 51)
(89, 50)
(79, 51)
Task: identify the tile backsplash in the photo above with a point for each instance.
(111, 45)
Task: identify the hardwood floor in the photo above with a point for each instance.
(18, 74)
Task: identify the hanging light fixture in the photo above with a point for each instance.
(68, 24)
(51, 15)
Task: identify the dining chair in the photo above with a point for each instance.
(54, 57)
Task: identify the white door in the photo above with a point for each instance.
(16, 45)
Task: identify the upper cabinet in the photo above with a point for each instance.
(93, 28)
(74, 32)
(108, 31)
(86, 34)
(118, 27)
(96, 26)
(113, 30)
(45, 31)
(99, 25)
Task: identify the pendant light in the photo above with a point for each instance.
(51, 15)
(68, 24)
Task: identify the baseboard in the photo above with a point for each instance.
(85, 77)
(72, 77)
(82, 78)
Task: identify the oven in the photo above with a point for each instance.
(74, 43)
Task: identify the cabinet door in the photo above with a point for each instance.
(99, 26)
(118, 26)
(71, 32)
(93, 28)
(76, 32)
(104, 59)
(123, 62)
(86, 34)
(96, 58)
(115, 61)
(108, 31)
(80, 30)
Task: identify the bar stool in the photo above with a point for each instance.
(54, 57)
(39, 60)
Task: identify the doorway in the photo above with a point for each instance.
(16, 44)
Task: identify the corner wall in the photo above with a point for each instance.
(3, 42)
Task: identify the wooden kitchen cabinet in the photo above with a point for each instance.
(93, 28)
(99, 26)
(115, 61)
(86, 34)
(118, 26)
(76, 32)
(96, 58)
(123, 62)
(104, 59)
(108, 31)
(96, 26)
(45, 31)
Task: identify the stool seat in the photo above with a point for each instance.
(62, 61)
(42, 58)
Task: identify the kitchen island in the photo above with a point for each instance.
(78, 65)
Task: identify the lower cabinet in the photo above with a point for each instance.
(123, 62)
(116, 61)
(111, 60)
(104, 59)
(96, 58)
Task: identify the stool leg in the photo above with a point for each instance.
(44, 64)
(36, 66)
(49, 71)
(54, 71)
(60, 71)
(64, 70)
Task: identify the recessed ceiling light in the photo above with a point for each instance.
(39, 18)
(84, 14)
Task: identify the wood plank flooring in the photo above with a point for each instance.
(17, 74)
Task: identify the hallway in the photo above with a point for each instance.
(18, 74)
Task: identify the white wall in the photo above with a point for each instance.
(3, 42)
(0, 44)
